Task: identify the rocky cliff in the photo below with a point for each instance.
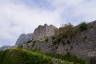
(42, 31)
(24, 38)
(79, 40)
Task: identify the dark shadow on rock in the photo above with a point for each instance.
(93, 60)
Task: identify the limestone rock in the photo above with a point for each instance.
(24, 38)
(82, 44)
(39, 33)
(43, 31)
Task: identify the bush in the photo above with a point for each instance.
(66, 62)
(53, 37)
(46, 39)
(29, 41)
(83, 26)
(66, 28)
(67, 31)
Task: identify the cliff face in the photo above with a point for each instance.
(39, 33)
(82, 43)
(43, 31)
(24, 38)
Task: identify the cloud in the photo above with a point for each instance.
(23, 16)
(17, 18)
(75, 11)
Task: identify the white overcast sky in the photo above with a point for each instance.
(23, 16)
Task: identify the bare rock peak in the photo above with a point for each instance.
(40, 32)
(24, 38)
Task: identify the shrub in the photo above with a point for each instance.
(66, 62)
(67, 31)
(20, 46)
(57, 32)
(29, 41)
(46, 39)
(72, 58)
(66, 28)
(53, 37)
(83, 26)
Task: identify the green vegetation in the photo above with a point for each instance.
(46, 39)
(22, 56)
(68, 30)
(66, 62)
(83, 26)
(68, 57)
(18, 56)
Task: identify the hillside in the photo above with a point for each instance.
(67, 44)
(18, 56)
(22, 56)
(77, 40)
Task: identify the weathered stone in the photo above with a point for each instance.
(40, 33)
(24, 38)
(82, 44)
(43, 32)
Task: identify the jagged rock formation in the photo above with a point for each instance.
(43, 31)
(24, 38)
(82, 44)
(39, 33)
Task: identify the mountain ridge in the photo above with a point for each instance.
(40, 32)
(78, 40)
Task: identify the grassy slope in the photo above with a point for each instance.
(15, 56)
(18, 56)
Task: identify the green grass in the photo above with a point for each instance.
(17, 56)
(68, 58)
(66, 62)
(23, 56)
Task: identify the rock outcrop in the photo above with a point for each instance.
(82, 44)
(43, 31)
(39, 33)
(24, 38)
